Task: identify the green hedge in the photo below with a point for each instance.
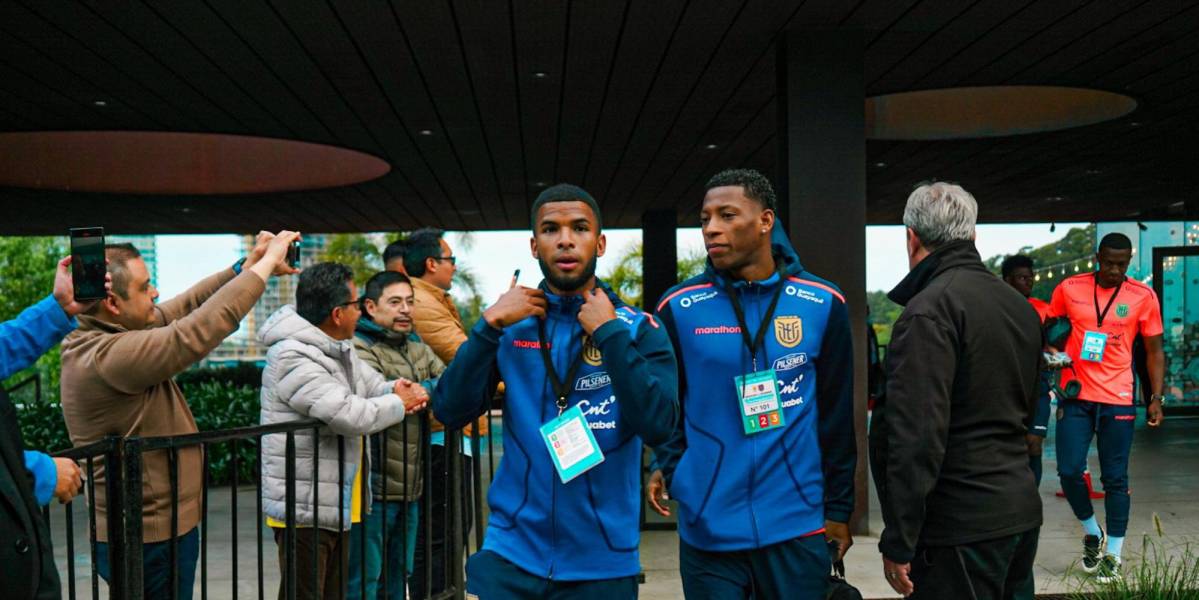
(219, 399)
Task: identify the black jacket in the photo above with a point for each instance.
(27, 568)
(947, 447)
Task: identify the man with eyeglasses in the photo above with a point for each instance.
(431, 264)
(313, 372)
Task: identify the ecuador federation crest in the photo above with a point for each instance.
(788, 331)
(591, 353)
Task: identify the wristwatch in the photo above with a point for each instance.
(1157, 398)
(237, 265)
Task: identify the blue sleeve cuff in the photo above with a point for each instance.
(45, 475)
(485, 331)
(58, 317)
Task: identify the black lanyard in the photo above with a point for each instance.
(561, 387)
(1100, 316)
(754, 344)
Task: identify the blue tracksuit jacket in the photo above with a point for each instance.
(22, 341)
(586, 529)
(739, 491)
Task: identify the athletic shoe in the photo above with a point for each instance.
(1092, 554)
(1109, 569)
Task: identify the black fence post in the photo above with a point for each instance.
(456, 540)
(123, 470)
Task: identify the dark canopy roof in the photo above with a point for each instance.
(476, 105)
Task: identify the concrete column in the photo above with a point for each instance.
(660, 259)
(822, 184)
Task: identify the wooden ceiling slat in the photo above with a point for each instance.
(488, 51)
(639, 68)
(705, 27)
(702, 119)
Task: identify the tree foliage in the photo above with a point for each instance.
(357, 251)
(626, 275)
(27, 267)
(1076, 245)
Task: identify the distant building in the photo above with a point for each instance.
(243, 346)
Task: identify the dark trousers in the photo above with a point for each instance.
(438, 518)
(1113, 426)
(156, 565)
(490, 576)
(999, 569)
(797, 569)
(319, 563)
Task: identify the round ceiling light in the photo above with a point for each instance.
(993, 111)
(159, 162)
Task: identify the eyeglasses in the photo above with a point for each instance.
(354, 303)
(453, 259)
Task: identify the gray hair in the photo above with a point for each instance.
(941, 213)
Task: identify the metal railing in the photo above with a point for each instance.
(120, 464)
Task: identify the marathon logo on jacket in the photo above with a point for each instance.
(717, 330)
(593, 382)
(696, 298)
(530, 344)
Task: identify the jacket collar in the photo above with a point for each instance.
(953, 255)
(572, 304)
(287, 324)
(371, 332)
(89, 323)
(425, 286)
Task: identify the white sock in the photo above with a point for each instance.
(1091, 526)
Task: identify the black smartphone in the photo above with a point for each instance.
(87, 262)
(293, 255)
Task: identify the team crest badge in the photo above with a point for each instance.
(788, 331)
(1121, 310)
(591, 354)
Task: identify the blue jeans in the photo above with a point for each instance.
(156, 565)
(401, 549)
(1113, 426)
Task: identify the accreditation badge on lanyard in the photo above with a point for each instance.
(1094, 343)
(757, 392)
(567, 437)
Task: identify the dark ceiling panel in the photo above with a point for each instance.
(705, 28)
(487, 54)
(652, 29)
(539, 32)
(726, 94)
(633, 94)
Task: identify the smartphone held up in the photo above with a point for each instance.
(88, 266)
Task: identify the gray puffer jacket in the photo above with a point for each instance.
(311, 375)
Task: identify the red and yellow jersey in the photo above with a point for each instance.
(1042, 308)
(1134, 311)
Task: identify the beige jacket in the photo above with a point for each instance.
(119, 382)
(437, 322)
